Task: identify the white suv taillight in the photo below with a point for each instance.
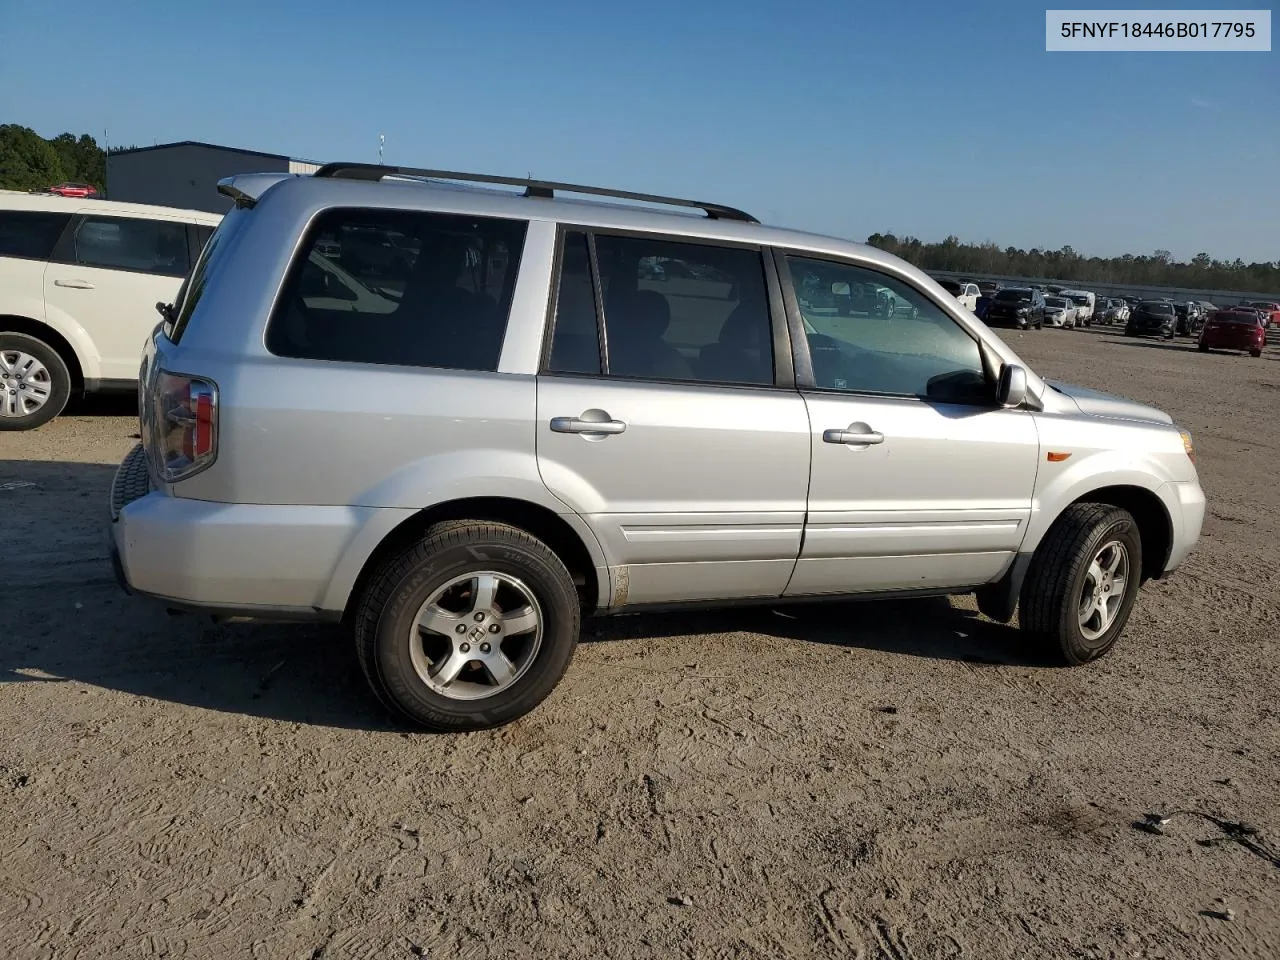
(185, 425)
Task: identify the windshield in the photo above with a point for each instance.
(1013, 296)
(1162, 309)
(1055, 302)
(1079, 299)
(950, 286)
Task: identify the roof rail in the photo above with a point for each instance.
(545, 189)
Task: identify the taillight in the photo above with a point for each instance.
(185, 424)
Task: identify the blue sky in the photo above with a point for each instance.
(927, 118)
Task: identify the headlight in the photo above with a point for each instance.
(1188, 445)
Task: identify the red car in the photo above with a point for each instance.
(1270, 308)
(81, 191)
(1234, 330)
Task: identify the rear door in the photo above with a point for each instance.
(668, 419)
(919, 481)
(108, 273)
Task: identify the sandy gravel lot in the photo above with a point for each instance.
(893, 780)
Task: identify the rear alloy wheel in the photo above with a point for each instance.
(34, 382)
(471, 628)
(1082, 582)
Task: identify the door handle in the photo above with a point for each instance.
(578, 425)
(854, 437)
(74, 284)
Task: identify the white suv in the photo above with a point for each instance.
(79, 281)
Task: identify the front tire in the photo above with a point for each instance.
(471, 628)
(34, 382)
(1082, 583)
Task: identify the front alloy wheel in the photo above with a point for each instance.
(1082, 582)
(1104, 588)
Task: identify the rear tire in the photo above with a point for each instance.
(1068, 602)
(49, 380)
(1202, 348)
(1255, 353)
(479, 664)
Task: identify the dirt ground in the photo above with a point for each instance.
(878, 780)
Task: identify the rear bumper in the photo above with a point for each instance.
(262, 561)
(1217, 341)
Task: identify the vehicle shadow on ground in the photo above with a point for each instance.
(123, 404)
(930, 627)
(67, 620)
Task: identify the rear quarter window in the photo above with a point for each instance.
(399, 287)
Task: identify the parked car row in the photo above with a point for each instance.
(1242, 327)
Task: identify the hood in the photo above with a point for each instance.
(1094, 403)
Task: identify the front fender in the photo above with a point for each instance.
(1056, 489)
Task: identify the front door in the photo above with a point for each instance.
(108, 276)
(662, 424)
(919, 481)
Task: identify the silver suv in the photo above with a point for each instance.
(460, 417)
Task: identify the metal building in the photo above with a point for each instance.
(186, 174)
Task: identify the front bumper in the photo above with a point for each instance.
(1187, 522)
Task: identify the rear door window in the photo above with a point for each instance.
(30, 234)
(671, 311)
(136, 245)
(400, 287)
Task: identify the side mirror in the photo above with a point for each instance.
(1011, 389)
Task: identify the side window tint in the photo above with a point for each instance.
(141, 246)
(30, 234)
(399, 287)
(575, 343)
(872, 333)
(682, 311)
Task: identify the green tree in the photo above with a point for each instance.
(27, 160)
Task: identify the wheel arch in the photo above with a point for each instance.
(1155, 524)
(15, 323)
(570, 539)
(1155, 529)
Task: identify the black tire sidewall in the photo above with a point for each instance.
(542, 574)
(1075, 647)
(58, 373)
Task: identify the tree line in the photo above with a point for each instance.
(1158, 269)
(30, 162)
